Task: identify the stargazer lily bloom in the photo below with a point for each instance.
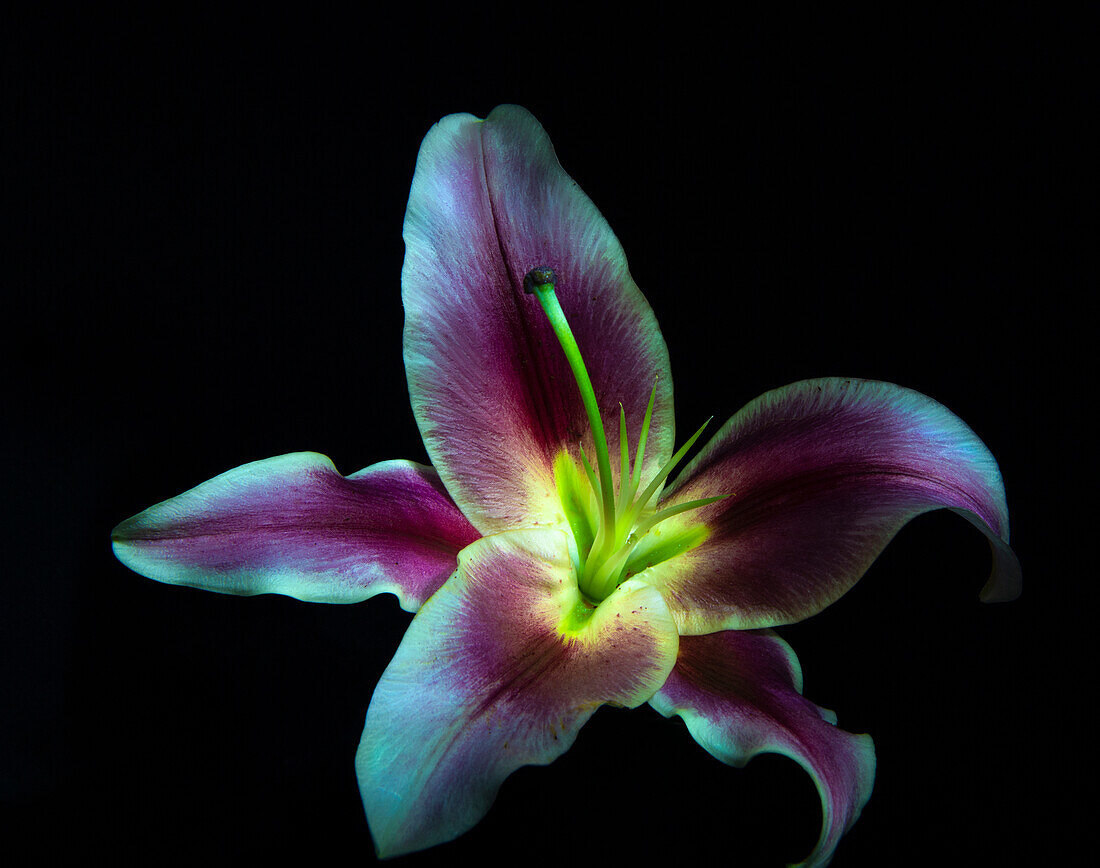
(551, 565)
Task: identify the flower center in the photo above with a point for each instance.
(609, 532)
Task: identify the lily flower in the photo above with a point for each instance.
(552, 566)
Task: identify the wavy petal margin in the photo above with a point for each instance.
(819, 476)
(490, 386)
(739, 692)
(498, 670)
(293, 525)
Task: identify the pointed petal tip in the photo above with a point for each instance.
(124, 538)
(126, 529)
(388, 847)
(293, 525)
(385, 850)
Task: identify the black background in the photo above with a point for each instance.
(205, 216)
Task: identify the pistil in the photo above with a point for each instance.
(621, 525)
(541, 282)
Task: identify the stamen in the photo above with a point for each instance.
(626, 493)
(668, 512)
(588, 471)
(636, 477)
(609, 575)
(662, 475)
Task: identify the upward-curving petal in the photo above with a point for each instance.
(490, 386)
(293, 525)
(818, 477)
(739, 692)
(500, 669)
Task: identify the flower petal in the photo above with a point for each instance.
(820, 475)
(498, 670)
(490, 386)
(739, 694)
(293, 525)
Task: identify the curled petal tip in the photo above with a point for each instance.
(739, 694)
(1005, 581)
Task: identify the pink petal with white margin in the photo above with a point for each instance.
(820, 475)
(293, 525)
(499, 669)
(739, 692)
(490, 386)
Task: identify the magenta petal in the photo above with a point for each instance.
(491, 389)
(739, 692)
(820, 475)
(498, 670)
(293, 525)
